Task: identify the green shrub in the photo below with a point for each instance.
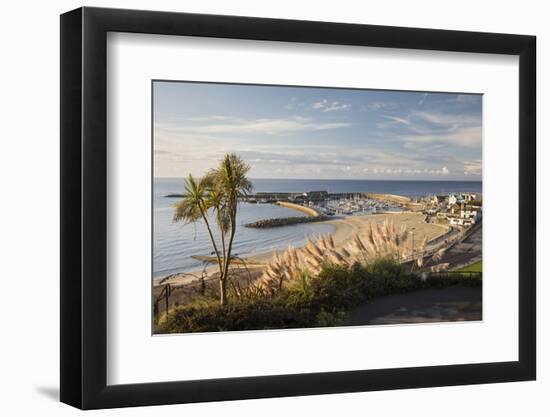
(317, 302)
(238, 315)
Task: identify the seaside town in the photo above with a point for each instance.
(456, 209)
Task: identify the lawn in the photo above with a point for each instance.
(477, 267)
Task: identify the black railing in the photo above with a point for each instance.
(455, 274)
(163, 296)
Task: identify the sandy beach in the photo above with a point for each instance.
(344, 229)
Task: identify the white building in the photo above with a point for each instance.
(452, 199)
(468, 214)
(459, 221)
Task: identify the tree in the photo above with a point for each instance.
(218, 191)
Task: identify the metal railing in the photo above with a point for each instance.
(163, 296)
(455, 274)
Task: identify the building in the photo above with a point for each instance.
(438, 199)
(459, 221)
(454, 208)
(316, 195)
(452, 199)
(468, 214)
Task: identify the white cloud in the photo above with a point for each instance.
(473, 167)
(469, 137)
(282, 126)
(379, 105)
(293, 104)
(326, 106)
(421, 127)
(398, 120)
(410, 172)
(209, 118)
(467, 98)
(447, 119)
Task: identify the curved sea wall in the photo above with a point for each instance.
(312, 216)
(308, 210)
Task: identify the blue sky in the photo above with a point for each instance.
(323, 133)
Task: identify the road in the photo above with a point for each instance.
(467, 252)
(423, 306)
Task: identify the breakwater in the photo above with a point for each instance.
(313, 216)
(311, 212)
(284, 221)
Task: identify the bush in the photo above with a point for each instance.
(344, 288)
(318, 302)
(238, 315)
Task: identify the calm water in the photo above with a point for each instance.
(175, 243)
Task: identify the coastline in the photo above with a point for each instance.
(343, 229)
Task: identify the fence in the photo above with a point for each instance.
(455, 274)
(163, 296)
(458, 238)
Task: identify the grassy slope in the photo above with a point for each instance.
(477, 267)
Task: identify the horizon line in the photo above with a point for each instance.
(343, 179)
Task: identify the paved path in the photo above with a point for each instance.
(465, 253)
(423, 306)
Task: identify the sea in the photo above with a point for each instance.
(174, 244)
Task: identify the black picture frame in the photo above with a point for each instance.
(84, 207)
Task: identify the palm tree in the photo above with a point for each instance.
(231, 181)
(195, 206)
(219, 190)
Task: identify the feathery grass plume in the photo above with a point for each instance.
(320, 243)
(386, 230)
(404, 232)
(314, 249)
(360, 252)
(335, 256)
(438, 256)
(344, 252)
(295, 257)
(439, 267)
(293, 264)
(423, 244)
(359, 243)
(316, 263)
(392, 228)
(375, 239)
(370, 241)
(326, 244)
(330, 241)
(313, 265)
(378, 235)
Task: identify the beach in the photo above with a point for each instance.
(343, 228)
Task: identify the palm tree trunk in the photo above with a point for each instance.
(223, 291)
(223, 281)
(205, 218)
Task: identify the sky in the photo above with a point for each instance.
(320, 133)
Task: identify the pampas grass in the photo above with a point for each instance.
(293, 265)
